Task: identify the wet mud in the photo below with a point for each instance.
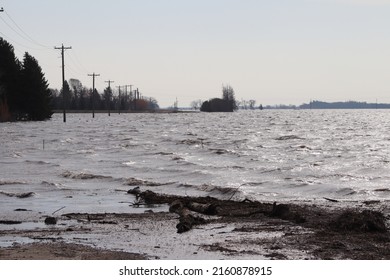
(223, 229)
(350, 233)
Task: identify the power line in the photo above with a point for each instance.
(74, 63)
(77, 61)
(62, 48)
(74, 71)
(28, 36)
(15, 42)
(19, 34)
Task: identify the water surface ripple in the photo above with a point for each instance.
(264, 155)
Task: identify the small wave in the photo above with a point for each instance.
(346, 191)
(224, 191)
(236, 167)
(252, 184)
(3, 183)
(184, 162)
(164, 153)
(191, 142)
(40, 162)
(86, 151)
(302, 147)
(264, 171)
(129, 163)
(177, 158)
(344, 177)
(220, 151)
(83, 176)
(17, 155)
(127, 146)
(299, 185)
(289, 137)
(50, 184)
(18, 195)
(382, 190)
(139, 182)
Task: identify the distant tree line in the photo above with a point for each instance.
(242, 104)
(80, 98)
(333, 105)
(24, 92)
(248, 104)
(281, 106)
(344, 105)
(219, 105)
(251, 105)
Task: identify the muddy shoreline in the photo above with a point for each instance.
(233, 230)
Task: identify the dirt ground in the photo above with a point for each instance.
(63, 251)
(232, 230)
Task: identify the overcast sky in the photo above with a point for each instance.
(274, 51)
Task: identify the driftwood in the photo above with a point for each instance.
(354, 220)
(283, 211)
(330, 199)
(203, 205)
(187, 220)
(203, 208)
(187, 207)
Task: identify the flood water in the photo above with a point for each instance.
(87, 165)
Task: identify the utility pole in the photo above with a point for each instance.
(131, 97)
(93, 92)
(176, 105)
(109, 98)
(62, 48)
(109, 83)
(126, 96)
(135, 99)
(119, 100)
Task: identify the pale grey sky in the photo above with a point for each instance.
(276, 52)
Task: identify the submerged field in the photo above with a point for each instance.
(330, 160)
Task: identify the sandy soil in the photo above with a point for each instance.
(62, 251)
(235, 230)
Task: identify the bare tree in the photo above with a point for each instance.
(196, 104)
(229, 95)
(252, 104)
(244, 104)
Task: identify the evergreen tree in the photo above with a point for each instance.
(24, 92)
(107, 96)
(35, 91)
(10, 95)
(65, 97)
